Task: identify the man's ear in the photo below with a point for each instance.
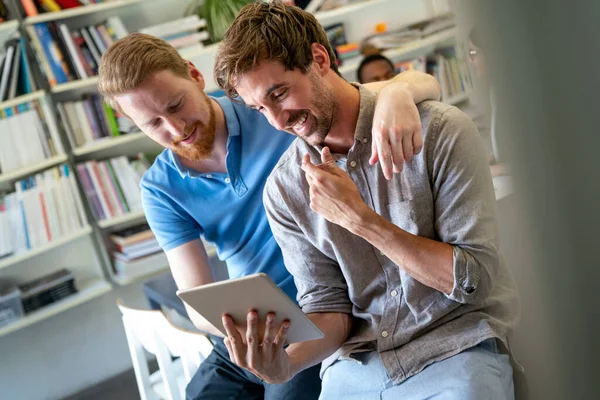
(321, 58)
(195, 74)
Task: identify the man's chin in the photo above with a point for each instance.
(194, 154)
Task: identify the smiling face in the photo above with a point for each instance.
(293, 101)
(174, 112)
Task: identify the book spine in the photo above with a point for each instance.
(29, 8)
(118, 206)
(66, 63)
(74, 55)
(76, 196)
(51, 52)
(112, 121)
(41, 56)
(90, 192)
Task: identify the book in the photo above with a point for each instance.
(132, 235)
(41, 56)
(15, 69)
(74, 55)
(6, 68)
(51, 51)
(141, 266)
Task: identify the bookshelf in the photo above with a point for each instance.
(8, 26)
(87, 291)
(87, 83)
(128, 280)
(10, 176)
(81, 11)
(121, 220)
(22, 99)
(410, 49)
(108, 144)
(12, 260)
(342, 12)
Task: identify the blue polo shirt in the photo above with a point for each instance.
(225, 210)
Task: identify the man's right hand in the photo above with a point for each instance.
(268, 360)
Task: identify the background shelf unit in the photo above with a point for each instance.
(12, 260)
(87, 291)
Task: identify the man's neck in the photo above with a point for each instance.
(347, 104)
(217, 160)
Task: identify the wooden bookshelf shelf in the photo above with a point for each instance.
(77, 84)
(7, 262)
(107, 143)
(22, 99)
(87, 291)
(79, 11)
(411, 49)
(23, 172)
(123, 219)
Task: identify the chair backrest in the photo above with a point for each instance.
(192, 347)
(150, 330)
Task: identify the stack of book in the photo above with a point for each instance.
(29, 8)
(27, 136)
(43, 208)
(451, 71)
(15, 71)
(66, 55)
(137, 252)
(112, 186)
(185, 34)
(91, 119)
(46, 290)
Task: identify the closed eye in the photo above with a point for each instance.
(176, 107)
(280, 95)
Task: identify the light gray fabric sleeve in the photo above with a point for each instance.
(464, 204)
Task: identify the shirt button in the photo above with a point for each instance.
(227, 180)
(209, 176)
(381, 253)
(384, 334)
(365, 140)
(393, 293)
(353, 164)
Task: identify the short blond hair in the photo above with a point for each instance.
(268, 32)
(132, 59)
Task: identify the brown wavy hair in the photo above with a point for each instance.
(268, 31)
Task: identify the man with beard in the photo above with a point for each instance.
(403, 276)
(208, 183)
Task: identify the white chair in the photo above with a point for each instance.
(150, 330)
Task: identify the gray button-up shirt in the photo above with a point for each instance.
(445, 194)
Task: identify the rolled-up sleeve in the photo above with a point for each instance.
(319, 279)
(465, 204)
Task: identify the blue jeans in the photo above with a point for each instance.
(220, 379)
(478, 373)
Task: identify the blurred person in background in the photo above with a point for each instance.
(375, 68)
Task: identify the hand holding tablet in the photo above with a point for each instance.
(237, 297)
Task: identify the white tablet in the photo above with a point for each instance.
(236, 297)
